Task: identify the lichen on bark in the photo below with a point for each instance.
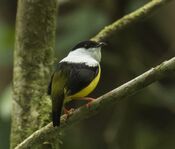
(33, 57)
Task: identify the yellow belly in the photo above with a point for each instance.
(87, 90)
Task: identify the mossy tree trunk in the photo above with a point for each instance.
(33, 56)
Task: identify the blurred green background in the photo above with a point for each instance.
(143, 121)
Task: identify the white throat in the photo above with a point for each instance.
(90, 57)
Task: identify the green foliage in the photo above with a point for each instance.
(5, 104)
(6, 43)
(5, 113)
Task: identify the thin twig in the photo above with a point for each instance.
(129, 19)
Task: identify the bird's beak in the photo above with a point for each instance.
(101, 44)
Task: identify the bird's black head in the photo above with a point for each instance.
(88, 44)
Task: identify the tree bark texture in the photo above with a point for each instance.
(33, 56)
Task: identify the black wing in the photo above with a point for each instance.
(78, 76)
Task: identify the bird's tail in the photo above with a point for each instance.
(57, 104)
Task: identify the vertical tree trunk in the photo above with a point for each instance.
(33, 56)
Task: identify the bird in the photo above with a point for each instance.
(75, 76)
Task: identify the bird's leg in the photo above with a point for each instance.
(89, 99)
(68, 112)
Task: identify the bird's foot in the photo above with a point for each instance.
(68, 112)
(89, 99)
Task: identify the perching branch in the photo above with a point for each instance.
(48, 132)
(100, 103)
